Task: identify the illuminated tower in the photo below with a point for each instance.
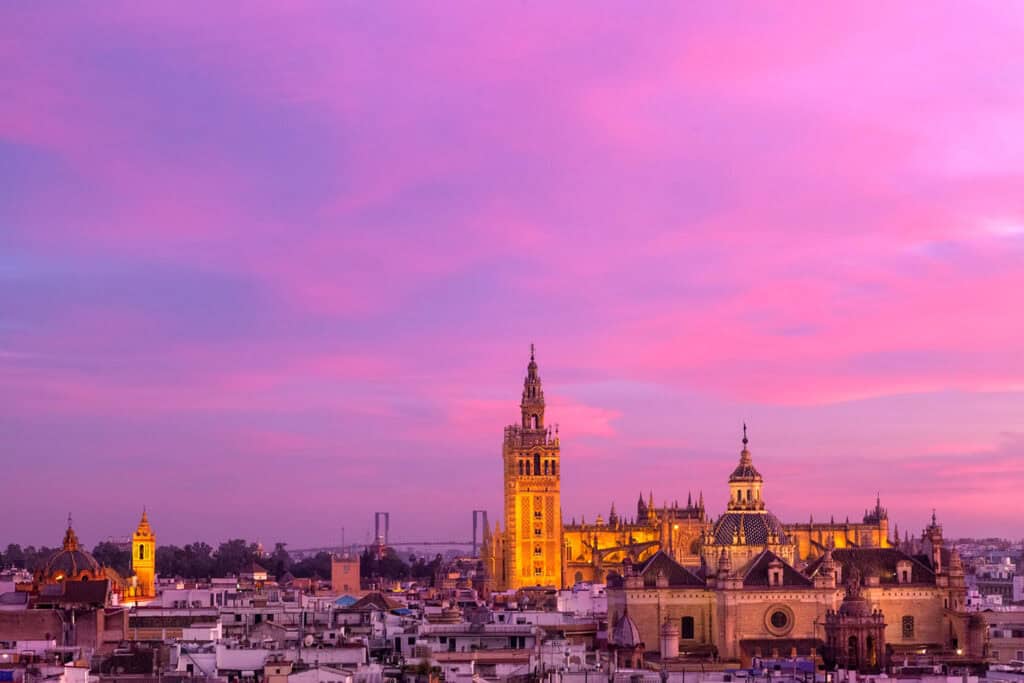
(144, 559)
(533, 510)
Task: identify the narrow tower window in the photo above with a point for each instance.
(536, 463)
(142, 552)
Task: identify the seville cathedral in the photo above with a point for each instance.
(740, 586)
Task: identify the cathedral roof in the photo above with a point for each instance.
(93, 593)
(757, 527)
(756, 571)
(677, 574)
(880, 562)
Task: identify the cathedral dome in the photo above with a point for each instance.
(757, 528)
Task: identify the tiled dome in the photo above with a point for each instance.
(757, 528)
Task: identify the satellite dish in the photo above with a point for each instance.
(308, 641)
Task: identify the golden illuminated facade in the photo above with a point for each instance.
(812, 538)
(594, 549)
(536, 549)
(143, 561)
(529, 551)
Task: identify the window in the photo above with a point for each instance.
(537, 514)
(520, 467)
(908, 626)
(546, 465)
(537, 550)
(538, 571)
(779, 619)
(142, 552)
(536, 531)
(748, 495)
(686, 628)
(554, 469)
(536, 463)
(527, 467)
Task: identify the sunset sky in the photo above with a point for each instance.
(268, 268)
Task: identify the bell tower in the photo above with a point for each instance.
(533, 507)
(144, 559)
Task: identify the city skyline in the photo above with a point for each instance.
(268, 273)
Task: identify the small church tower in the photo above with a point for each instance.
(144, 559)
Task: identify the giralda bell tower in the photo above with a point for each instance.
(533, 505)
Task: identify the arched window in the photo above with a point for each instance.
(553, 469)
(534, 421)
(527, 467)
(686, 628)
(546, 465)
(536, 463)
(142, 552)
(748, 495)
(520, 468)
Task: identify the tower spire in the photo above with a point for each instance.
(532, 404)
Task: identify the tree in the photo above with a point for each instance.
(279, 561)
(14, 556)
(198, 560)
(111, 555)
(233, 556)
(170, 561)
(390, 566)
(319, 565)
(35, 558)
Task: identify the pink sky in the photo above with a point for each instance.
(269, 268)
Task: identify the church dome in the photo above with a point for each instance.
(70, 560)
(758, 528)
(626, 633)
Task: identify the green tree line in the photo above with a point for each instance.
(200, 560)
